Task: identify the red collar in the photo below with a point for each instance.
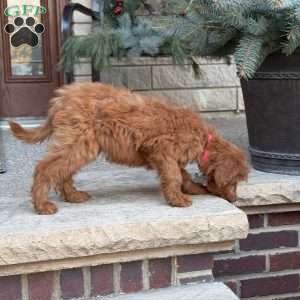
(205, 155)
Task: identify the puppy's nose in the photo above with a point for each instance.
(232, 198)
(231, 195)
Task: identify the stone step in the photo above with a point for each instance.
(126, 220)
(206, 291)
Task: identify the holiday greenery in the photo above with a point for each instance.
(250, 30)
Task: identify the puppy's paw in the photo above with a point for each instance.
(193, 188)
(46, 208)
(77, 197)
(179, 200)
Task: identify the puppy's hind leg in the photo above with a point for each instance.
(42, 183)
(190, 187)
(171, 182)
(57, 169)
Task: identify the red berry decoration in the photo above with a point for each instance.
(117, 10)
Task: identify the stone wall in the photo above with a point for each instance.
(217, 89)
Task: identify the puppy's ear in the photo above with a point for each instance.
(226, 172)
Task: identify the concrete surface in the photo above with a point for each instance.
(268, 189)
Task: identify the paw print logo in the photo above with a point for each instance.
(24, 31)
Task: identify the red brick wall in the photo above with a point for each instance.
(267, 263)
(108, 279)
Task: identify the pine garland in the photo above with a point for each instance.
(99, 46)
(250, 30)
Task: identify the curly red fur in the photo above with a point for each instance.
(87, 119)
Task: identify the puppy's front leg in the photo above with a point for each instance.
(171, 183)
(190, 187)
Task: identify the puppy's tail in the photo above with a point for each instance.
(32, 136)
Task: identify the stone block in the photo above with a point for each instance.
(79, 17)
(83, 69)
(83, 78)
(168, 77)
(201, 99)
(82, 29)
(134, 78)
(241, 104)
(86, 3)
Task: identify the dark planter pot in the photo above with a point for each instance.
(272, 103)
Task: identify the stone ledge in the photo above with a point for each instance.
(163, 60)
(126, 215)
(159, 60)
(268, 189)
(265, 192)
(206, 291)
(119, 257)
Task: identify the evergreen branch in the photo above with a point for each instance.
(297, 13)
(249, 55)
(99, 47)
(250, 30)
(293, 40)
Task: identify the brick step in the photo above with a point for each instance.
(206, 291)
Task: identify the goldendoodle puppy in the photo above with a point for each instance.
(87, 119)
